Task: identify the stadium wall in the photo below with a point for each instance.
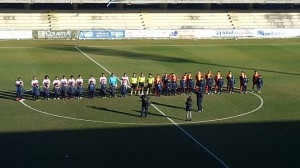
(151, 34)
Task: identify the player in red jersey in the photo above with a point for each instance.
(165, 81)
(188, 77)
(183, 83)
(198, 77)
(228, 77)
(157, 80)
(242, 76)
(254, 79)
(208, 75)
(217, 77)
(174, 83)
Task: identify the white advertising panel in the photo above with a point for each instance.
(277, 33)
(16, 34)
(147, 33)
(234, 33)
(183, 34)
(204, 33)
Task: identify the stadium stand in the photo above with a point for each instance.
(242, 20)
(74, 21)
(147, 20)
(150, 14)
(177, 20)
(24, 21)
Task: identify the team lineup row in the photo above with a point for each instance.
(140, 85)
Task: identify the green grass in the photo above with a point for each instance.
(266, 138)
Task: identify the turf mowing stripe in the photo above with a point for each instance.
(183, 130)
(190, 136)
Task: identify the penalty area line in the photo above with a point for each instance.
(179, 127)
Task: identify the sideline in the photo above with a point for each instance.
(161, 45)
(183, 130)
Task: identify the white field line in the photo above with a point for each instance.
(80, 119)
(184, 131)
(96, 63)
(190, 136)
(92, 60)
(110, 122)
(159, 45)
(239, 115)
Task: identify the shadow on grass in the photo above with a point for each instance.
(171, 106)
(247, 145)
(155, 57)
(11, 95)
(159, 115)
(113, 111)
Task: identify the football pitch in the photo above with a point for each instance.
(234, 130)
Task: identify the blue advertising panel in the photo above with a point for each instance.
(102, 34)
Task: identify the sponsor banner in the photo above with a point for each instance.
(147, 33)
(16, 34)
(101, 34)
(277, 33)
(190, 33)
(234, 33)
(55, 34)
(175, 34)
(204, 33)
(183, 34)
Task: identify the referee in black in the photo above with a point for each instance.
(200, 96)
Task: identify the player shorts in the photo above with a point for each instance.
(133, 85)
(150, 85)
(141, 84)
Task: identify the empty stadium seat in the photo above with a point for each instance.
(65, 20)
(265, 20)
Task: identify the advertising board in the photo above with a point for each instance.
(55, 34)
(16, 34)
(101, 34)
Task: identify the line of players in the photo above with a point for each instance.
(166, 85)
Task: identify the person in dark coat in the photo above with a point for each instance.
(201, 84)
(145, 105)
(200, 96)
(159, 89)
(259, 83)
(188, 108)
(231, 84)
(245, 84)
(191, 85)
(209, 83)
(220, 84)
